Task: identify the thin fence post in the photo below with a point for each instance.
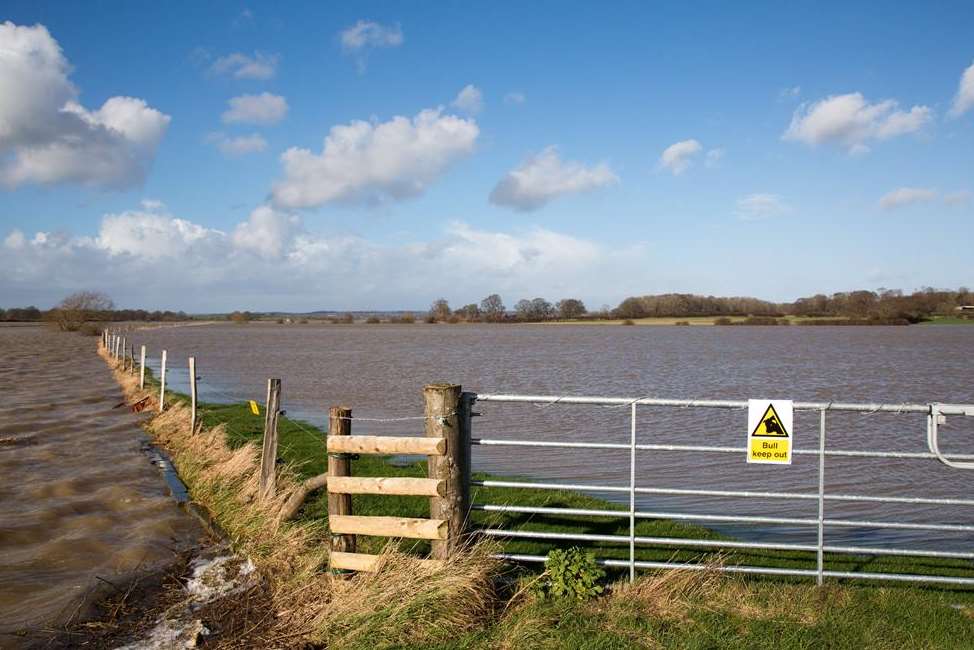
(115, 347)
(340, 424)
(443, 421)
(466, 414)
(142, 369)
(632, 494)
(162, 381)
(132, 357)
(268, 458)
(192, 395)
(820, 559)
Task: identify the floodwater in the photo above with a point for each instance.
(81, 505)
(379, 371)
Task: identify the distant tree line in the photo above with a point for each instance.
(686, 304)
(86, 306)
(885, 304)
(492, 310)
(862, 304)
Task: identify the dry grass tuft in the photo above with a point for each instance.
(668, 595)
(408, 601)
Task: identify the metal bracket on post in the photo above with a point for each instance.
(934, 419)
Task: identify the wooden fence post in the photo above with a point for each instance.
(268, 458)
(132, 357)
(340, 424)
(192, 395)
(443, 416)
(142, 369)
(162, 381)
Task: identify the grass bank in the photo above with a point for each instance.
(465, 605)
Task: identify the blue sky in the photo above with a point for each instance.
(817, 149)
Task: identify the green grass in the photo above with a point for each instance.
(949, 320)
(752, 612)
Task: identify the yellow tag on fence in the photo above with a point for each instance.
(253, 408)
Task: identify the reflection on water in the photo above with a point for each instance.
(80, 503)
(379, 370)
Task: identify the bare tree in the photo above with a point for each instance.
(440, 309)
(79, 308)
(570, 308)
(492, 308)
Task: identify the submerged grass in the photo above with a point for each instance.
(474, 602)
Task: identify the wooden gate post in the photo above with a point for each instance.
(268, 458)
(340, 424)
(192, 395)
(444, 413)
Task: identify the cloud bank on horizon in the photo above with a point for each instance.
(462, 185)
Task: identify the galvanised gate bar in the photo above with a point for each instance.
(935, 413)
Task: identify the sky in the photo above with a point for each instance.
(301, 156)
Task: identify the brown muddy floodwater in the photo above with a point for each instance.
(379, 371)
(81, 505)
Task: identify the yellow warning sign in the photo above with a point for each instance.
(253, 408)
(769, 426)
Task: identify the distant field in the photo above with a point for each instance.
(949, 320)
(709, 320)
(692, 320)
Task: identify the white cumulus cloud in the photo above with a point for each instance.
(964, 100)
(264, 108)
(260, 66)
(851, 122)
(366, 35)
(907, 196)
(47, 137)
(266, 232)
(152, 233)
(150, 258)
(679, 156)
(469, 100)
(544, 177)
(235, 146)
(758, 206)
(368, 162)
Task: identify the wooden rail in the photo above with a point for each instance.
(423, 487)
(387, 445)
(435, 529)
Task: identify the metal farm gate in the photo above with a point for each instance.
(935, 415)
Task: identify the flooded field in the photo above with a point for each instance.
(379, 371)
(81, 506)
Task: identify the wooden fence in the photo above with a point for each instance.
(445, 443)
